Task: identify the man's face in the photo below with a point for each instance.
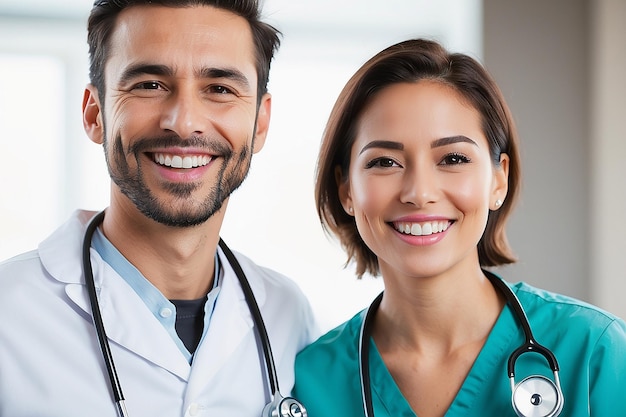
(179, 123)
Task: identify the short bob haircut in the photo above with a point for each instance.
(103, 18)
(409, 62)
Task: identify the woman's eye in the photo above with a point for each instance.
(455, 159)
(381, 163)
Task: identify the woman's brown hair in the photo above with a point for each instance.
(408, 62)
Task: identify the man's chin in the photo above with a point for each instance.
(181, 218)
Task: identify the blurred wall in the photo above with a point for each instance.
(606, 149)
(560, 66)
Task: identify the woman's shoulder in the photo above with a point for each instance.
(552, 307)
(340, 341)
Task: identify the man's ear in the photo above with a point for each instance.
(343, 188)
(262, 122)
(92, 115)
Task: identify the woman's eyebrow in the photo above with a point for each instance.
(450, 140)
(384, 144)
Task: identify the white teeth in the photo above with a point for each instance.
(423, 229)
(177, 162)
(184, 162)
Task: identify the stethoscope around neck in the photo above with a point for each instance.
(534, 396)
(279, 406)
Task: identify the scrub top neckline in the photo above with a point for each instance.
(497, 345)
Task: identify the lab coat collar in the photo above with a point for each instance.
(231, 324)
(129, 323)
(65, 243)
(127, 320)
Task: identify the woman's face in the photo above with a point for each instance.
(421, 181)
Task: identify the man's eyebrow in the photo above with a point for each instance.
(145, 69)
(164, 70)
(384, 144)
(228, 73)
(450, 140)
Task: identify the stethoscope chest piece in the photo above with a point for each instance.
(537, 396)
(284, 407)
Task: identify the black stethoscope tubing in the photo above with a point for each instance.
(118, 395)
(116, 387)
(529, 345)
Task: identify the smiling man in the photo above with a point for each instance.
(178, 102)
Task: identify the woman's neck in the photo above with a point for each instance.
(437, 313)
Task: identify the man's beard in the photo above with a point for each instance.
(190, 212)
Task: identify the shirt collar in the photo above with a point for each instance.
(162, 308)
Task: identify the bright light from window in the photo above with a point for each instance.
(31, 131)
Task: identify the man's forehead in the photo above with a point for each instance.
(182, 38)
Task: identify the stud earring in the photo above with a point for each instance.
(350, 210)
(498, 203)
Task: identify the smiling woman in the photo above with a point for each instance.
(418, 173)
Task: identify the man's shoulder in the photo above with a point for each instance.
(51, 255)
(272, 279)
(18, 263)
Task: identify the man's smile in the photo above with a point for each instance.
(182, 161)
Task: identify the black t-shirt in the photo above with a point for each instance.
(190, 321)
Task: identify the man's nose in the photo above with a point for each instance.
(184, 114)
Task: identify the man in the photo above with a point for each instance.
(178, 101)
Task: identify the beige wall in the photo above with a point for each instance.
(607, 149)
(560, 66)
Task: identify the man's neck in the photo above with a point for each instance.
(180, 262)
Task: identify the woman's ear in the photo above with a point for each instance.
(92, 115)
(500, 186)
(343, 187)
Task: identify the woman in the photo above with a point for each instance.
(418, 172)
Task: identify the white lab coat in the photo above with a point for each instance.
(50, 360)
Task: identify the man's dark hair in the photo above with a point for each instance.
(104, 15)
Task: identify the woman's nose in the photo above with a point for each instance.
(419, 186)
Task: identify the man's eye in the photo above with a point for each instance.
(381, 163)
(455, 159)
(220, 89)
(148, 85)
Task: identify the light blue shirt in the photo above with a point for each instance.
(162, 308)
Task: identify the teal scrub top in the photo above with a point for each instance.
(589, 344)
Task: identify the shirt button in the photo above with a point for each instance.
(165, 312)
(193, 409)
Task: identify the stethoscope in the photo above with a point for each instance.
(279, 406)
(534, 396)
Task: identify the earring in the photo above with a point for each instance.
(350, 210)
(498, 203)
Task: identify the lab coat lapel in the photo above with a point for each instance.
(127, 320)
(230, 325)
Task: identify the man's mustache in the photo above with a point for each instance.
(213, 146)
